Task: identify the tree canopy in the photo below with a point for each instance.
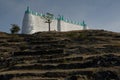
(14, 29)
(48, 18)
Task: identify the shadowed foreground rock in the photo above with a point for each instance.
(75, 55)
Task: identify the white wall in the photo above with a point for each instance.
(28, 21)
(34, 23)
(69, 27)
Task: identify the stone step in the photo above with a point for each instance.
(29, 59)
(38, 60)
(66, 63)
(41, 57)
(40, 52)
(53, 67)
(43, 47)
(6, 49)
(61, 60)
(34, 78)
(54, 62)
(12, 44)
(77, 77)
(63, 66)
(16, 40)
(43, 38)
(50, 46)
(9, 75)
(50, 57)
(45, 42)
(5, 38)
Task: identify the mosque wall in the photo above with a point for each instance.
(33, 22)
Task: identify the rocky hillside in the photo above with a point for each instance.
(75, 55)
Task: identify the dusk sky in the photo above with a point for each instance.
(98, 14)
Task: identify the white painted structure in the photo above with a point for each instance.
(33, 22)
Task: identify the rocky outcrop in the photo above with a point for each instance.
(76, 55)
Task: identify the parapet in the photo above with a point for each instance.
(60, 17)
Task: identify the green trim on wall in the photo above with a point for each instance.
(29, 11)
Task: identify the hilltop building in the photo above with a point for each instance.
(33, 22)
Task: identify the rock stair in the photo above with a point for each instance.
(60, 56)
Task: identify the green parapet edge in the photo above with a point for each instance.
(28, 11)
(83, 24)
(71, 22)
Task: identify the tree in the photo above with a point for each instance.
(48, 19)
(15, 28)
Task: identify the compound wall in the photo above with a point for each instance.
(33, 22)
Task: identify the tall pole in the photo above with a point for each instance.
(49, 26)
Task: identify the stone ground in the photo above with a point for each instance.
(75, 55)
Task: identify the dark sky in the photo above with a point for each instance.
(98, 14)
